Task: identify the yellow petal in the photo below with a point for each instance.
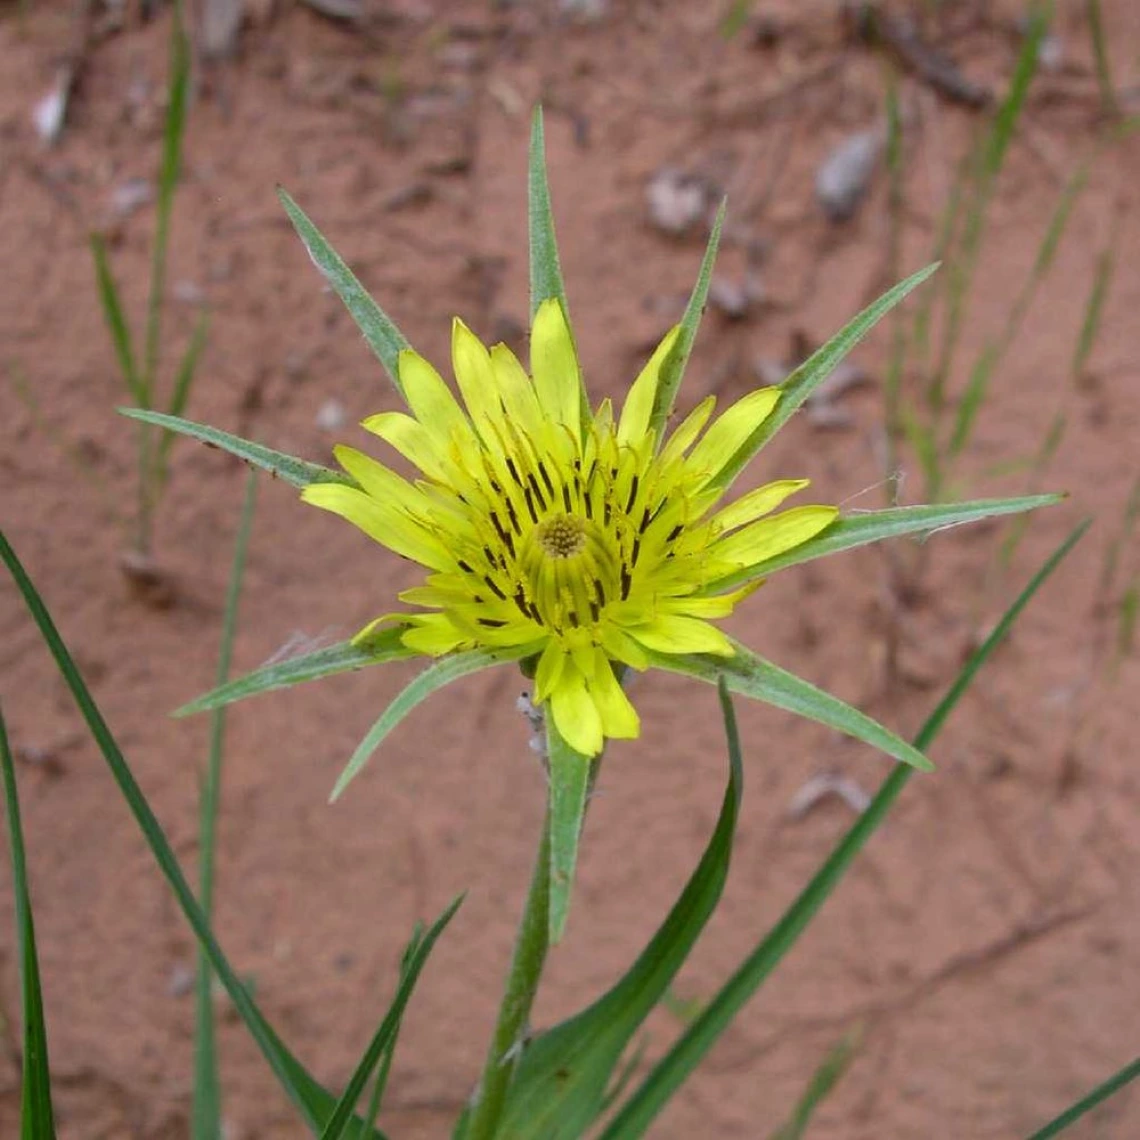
(380, 521)
(474, 375)
(714, 606)
(410, 438)
(721, 442)
(554, 365)
(619, 717)
(687, 431)
(380, 482)
(434, 635)
(638, 406)
(516, 390)
(672, 633)
(770, 537)
(431, 400)
(759, 502)
(550, 668)
(575, 713)
(621, 647)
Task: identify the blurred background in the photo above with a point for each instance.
(986, 947)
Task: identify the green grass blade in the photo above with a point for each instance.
(874, 526)
(976, 389)
(205, 1110)
(183, 382)
(809, 375)
(990, 159)
(314, 1102)
(481, 1119)
(379, 330)
(173, 130)
(342, 1115)
(1108, 101)
(671, 1071)
(1087, 1103)
(1094, 306)
(381, 1082)
(673, 366)
(1120, 540)
(443, 672)
(295, 472)
(116, 321)
(993, 353)
(1040, 464)
(36, 1119)
(562, 1081)
(569, 785)
(821, 1085)
(545, 267)
(375, 649)
(752, 676)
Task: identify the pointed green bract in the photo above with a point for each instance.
(561, 1083)
(339, 1122)
(443, 672)
(545, 268)
(36, 1119)
(809, 375)
(752, 676)
(374, 649)
(673, 367)
(315, 1102)
(383, 337)
(874, 526)
(569, 783)
(296, 472)
(636, 1115)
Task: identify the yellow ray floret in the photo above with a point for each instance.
(575, 541)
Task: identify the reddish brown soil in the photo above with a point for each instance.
(987, 943)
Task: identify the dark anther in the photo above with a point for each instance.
(530, 504)
(636, 551)
(514, 518)
(546, 479)
(535, 488)
(595, 611)
(513, 470)
(632, 495)
(463, 565)
(566, 497)
(491, 623)
(599, 590)
(574, 618)
(626, 582)
(643, 526)
(675, 532)
(494, 588)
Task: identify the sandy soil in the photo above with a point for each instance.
(987, 943)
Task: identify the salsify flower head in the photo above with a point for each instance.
(550, 533)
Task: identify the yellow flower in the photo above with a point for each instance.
(560, 536)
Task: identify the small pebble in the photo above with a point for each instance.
(676, 201)
(331, 416)
(845, 175)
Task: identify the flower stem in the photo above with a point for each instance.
(529, 958)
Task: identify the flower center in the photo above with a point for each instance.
(562, 536)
